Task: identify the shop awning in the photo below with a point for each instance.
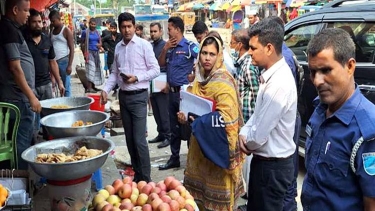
(260, 1)
(233, 8)
(215, 7)
(181, 8)
(198, 6)
(40, 5)
(225, 6)
(189, 6)
(296, 3)
(236, 3)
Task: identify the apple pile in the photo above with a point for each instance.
(126, 195)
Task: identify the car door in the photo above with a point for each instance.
(361, 27)
(297, 37)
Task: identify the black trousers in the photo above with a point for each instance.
(133, 109)
(159, 103)
(174, 107)
(269, 181)
(290, 203)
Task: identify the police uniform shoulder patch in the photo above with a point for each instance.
(196, 49)
(369, 163)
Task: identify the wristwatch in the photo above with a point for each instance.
(136, 80)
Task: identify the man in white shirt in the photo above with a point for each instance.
(268, 134)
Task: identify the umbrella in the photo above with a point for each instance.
(198, 6)
(225, 6)
(40, 5)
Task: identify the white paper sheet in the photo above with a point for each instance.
(194, 104)
(159, 83)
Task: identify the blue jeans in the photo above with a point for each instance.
(63, 64)
(25, 130)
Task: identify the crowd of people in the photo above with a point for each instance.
(250, 151)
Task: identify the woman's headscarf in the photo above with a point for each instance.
(219, 65)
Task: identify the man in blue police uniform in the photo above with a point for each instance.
(178, 56)
(340, 148)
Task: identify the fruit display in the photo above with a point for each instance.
(4, 195)
(126, 195)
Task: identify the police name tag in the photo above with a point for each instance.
(369, 163)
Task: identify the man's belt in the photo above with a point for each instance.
(270, 158)
(133, 92)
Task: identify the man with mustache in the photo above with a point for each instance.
(43, 54)
(41, 49)
(340, 146)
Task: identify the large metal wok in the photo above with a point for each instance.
(59, 125)
(70, 170)
(74, 103)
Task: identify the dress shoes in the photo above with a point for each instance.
(169, 165)
(165, 143)
(155, 140)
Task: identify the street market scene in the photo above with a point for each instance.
(187, 105)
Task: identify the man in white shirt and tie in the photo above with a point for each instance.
(268, 134)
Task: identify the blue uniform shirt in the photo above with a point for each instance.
(180, 62)
(330, 184)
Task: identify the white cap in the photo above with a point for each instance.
(252, 12)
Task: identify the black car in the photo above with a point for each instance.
(355, 17)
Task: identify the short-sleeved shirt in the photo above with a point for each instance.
(13, 47)
(180, 62)
(42, 53)
(330, 184)
(94, 39)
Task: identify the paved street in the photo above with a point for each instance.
(158, 156)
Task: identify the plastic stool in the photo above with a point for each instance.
(97, 178)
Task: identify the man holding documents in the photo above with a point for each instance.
(178, 56)
(133, 67)
(159, 100)
(268, 135)
(340, 145)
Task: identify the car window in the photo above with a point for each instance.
(363, 35)
(297, 39)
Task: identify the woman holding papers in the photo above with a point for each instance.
(214, 165)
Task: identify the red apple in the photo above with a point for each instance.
(156, 190)
(189, 207)
(107, 207)
(181, 201)
(146, 189)
(175, 206)
(174, 184)
(166, 199)
(110, 189)
(115, 209)
(155, 203)
(173, 194)
(153, 184)
(127, 180)
(142, 199)
(100, 206)
(151, 197)
(126, 201)
(117, 184)
(126, 206)
(182, 190)
(162, 186)
(162, 193)
(134, 185)
(137, 208)
(125, 191)
(147, 207)
(141, 184)
(168, 180)
(164, 207)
